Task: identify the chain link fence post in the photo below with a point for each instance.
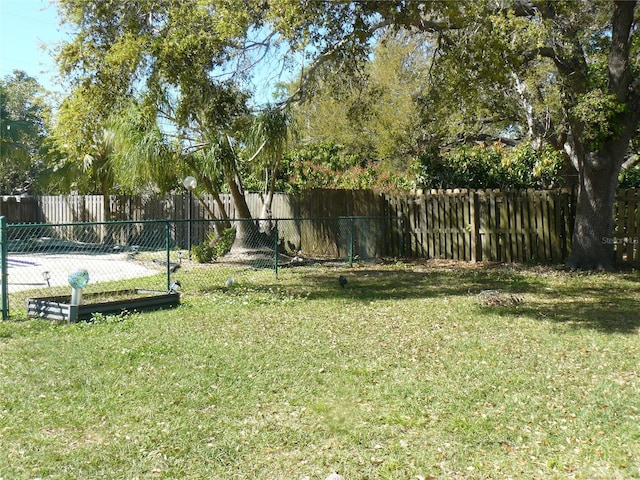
(4, 268)
(352, 225)
(167, 243)
(276, 242)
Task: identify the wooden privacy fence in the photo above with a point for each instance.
(626, 233)
(492, 225)
(472, 225)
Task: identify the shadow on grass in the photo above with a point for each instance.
(608, 303)
(380, 284)
(610, 312)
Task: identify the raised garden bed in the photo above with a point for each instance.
(106, 303)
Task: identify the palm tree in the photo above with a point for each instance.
(142, 157)
(268, 140)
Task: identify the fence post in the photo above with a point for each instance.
(167, 243)
(352, 224)
(404, 245)
(276, 242)
(4, 268)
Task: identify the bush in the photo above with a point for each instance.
(214, 246)
(496, 166)
(329, 165)
(489, 167)
(630, 178)
(318, 165)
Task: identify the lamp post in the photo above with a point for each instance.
(190, 184)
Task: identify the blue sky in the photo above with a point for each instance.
(29, 29)
(26, 27)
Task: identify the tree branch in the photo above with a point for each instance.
(630, 162)
(620, 76)
(486, 138)
(253, 157)
(324, 57)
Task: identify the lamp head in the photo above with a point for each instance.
(79, 278)
(190, 183)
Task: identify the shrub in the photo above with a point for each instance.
(329, 165)
(630, 178)
(214, 246)
(489, 167)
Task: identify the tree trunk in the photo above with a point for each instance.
(248, 234)
(213, 190)
(592, 241)
(267, 213)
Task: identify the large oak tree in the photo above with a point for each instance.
(570, 69)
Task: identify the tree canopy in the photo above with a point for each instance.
(562, 74)
(24, 121)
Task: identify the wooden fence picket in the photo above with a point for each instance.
(494, 227)
(516, 226)
(633, 230)
(626, 235)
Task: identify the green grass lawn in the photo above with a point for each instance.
(402, 374)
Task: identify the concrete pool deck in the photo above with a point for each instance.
(27, 271)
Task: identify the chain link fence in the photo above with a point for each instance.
(37, 259)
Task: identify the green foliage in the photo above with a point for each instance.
(158, 56)
(142, 158)
(24, 121)
(214, 246)
(80, 134)
(489, 167)
(375, 176)
(268, 134)
(329, 165)
(630, 178)
(374, 114)
(600, 116)
(534, 168)
(317, 165)
(264, 146)
(100, 318)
